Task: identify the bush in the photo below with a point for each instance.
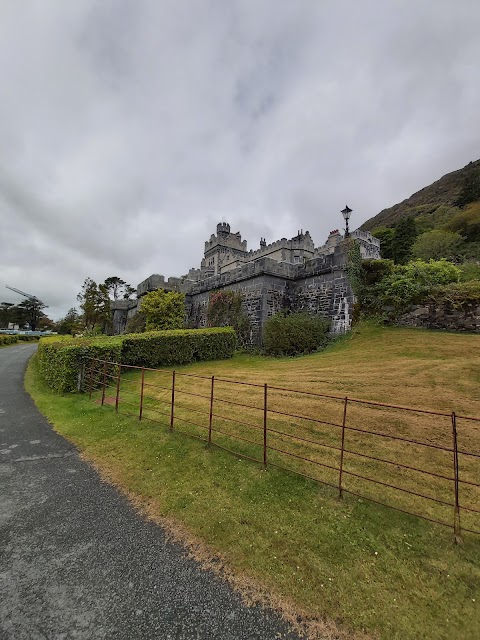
(60, 360)
(163, 310)
(160, 348)
(457, 294)
(289, 335)
(137, 323)
(6, 338)
(225, 310)
(410, 284)
(469, 271)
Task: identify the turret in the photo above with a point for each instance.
(223, 229)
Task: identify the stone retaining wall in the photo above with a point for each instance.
(443, 316)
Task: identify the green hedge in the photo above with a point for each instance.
(60, 361)
(60, 358)
(294, 334)
(180, 346)
(7, 338)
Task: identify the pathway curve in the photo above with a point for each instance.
(77, 561)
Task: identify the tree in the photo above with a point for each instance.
(128, 292)
(467, 222)
(91, 303)
(4, 314)
(470, 190)
(437, 244)
(116, 288)
(163, 310)
(385, 235)
(70, 324)
(29, 312)
(403, 239)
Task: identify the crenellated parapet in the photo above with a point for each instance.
(369, 245)
(288, 274)
(225, 238)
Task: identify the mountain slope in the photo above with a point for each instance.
(442, 193)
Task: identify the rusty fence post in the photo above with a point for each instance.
(456, 510)
(81, 378)
(211, 412)
(104, 381)
(265, 411)
(90, 384)
(141, 394)
(172, 414)
(117, 395)
(342, 450)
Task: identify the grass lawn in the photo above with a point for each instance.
(362, 568)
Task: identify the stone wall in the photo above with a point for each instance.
(319, 286)
(443, 316)
(267, 287)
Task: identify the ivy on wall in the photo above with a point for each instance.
(354, 268)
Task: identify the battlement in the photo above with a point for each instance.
(365, 236)
(225, 238)
(227, 261)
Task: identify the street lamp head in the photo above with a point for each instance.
(346, 213)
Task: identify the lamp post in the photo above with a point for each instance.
(346, 216)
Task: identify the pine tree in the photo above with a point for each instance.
(403, 239)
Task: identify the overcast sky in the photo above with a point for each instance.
(129, 128)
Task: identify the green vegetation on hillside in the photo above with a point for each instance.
(439, 221)
(369, 569)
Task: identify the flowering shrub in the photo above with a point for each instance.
(225, 309)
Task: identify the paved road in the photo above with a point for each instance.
(76, 561)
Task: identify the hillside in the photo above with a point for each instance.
(435, 202)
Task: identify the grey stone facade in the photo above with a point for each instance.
(287, 275)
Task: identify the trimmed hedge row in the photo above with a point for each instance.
(294, 334)
(60, 360)
(13, 338)
(178, 346)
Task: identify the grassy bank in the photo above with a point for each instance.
(362, 566)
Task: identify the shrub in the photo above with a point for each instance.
(225, 310)
(160, 348)
(136, 324)
(457, 294)
(60, 360)
(8, 339)
(469, 271)
(437, 244)
(163, 310)
(289, 335)
(411, 283)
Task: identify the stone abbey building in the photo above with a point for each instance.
(285, 275)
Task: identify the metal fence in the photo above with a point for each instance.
(423, 463)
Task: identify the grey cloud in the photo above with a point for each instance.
(129, 128)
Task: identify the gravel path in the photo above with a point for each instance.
(76, 560)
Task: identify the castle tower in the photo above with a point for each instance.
(222, 248)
